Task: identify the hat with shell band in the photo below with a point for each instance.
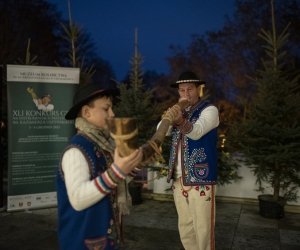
(84, 94)
(188, 77)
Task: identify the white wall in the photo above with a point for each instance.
(245, 188)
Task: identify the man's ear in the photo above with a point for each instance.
(201, 90)
(85, 111)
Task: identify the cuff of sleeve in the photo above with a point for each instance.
(109, 179)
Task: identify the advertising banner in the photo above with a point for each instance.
(38, 99)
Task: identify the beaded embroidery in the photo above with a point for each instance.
(195, 164)
(201, 189)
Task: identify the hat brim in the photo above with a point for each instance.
(197, 83)
(73, 112)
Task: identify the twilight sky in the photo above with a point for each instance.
(160, 23)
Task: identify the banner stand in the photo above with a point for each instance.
(38, 97)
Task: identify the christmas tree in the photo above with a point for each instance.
(269, 136)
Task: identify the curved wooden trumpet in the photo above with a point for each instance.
(124, 131)
(150, 147)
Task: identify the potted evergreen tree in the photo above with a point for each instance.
(269, 136)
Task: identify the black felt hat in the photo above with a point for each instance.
(188, 77)
(86, 93)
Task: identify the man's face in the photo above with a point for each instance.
(189, 91)
(99, 112)
(46, 100)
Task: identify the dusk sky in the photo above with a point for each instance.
(160, 23)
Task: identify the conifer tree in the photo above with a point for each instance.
(135, 101)
(72, 35)
(269, 136)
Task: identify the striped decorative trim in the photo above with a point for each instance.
(193, 80)
(118, 171)
(108, 180)
(112, 176)
(100, 185)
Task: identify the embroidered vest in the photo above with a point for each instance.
(198, 157)
(90, 227)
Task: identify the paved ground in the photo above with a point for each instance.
(152, 225)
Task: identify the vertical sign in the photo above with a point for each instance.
(38, 99)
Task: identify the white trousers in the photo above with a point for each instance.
(196, 215)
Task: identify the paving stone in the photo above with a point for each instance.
(153, 214)
(290, 237)
(152, 225)
(248, 237)
(251, 218)
(151, 239)
(227, 212)
(291, 221)
(224, 235)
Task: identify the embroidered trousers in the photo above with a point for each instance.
(196, 215)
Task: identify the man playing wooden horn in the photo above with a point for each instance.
(193, 163)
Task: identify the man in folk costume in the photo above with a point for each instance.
(193, 163)
(91, 190)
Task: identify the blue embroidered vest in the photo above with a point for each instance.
(198, 157)
(89, 227)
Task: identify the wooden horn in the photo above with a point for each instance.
(124, 132)
(160, 134)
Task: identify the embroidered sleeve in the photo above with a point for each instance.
(208, 120)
